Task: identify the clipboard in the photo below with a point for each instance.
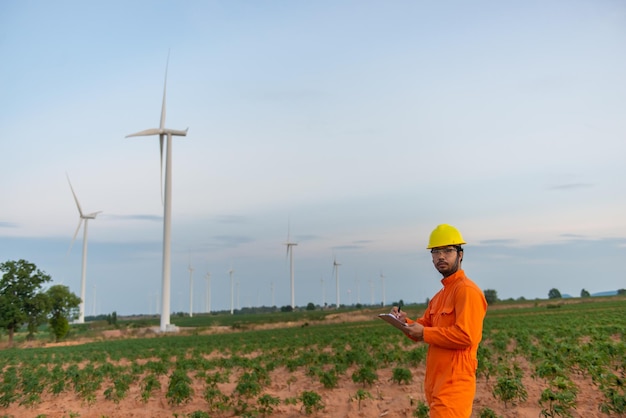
(392, 320)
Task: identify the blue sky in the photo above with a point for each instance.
(360, 124)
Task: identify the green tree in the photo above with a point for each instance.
(621, 291)
(37, 310)
(63, 308)
(491, 296)
(554, 294)
(584, 293)
(19, 286)
(310, 306)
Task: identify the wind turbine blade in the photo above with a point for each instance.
(93, 215)
(80, 211)
(80, 221)
(147, 132)
(164, 92)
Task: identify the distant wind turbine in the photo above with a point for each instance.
(164, 132)
(290, 246)
(232, 290)
(336, 271)
(83, 278)
(382, 279)
(190, 291)
(208, 292)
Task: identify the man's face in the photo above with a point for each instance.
(446, 259)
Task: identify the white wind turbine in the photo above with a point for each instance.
(232, 290)
(83, 277)
(190, 291)
(164, 132)
(208, 292)
(382, 279)
(290, 246)
(336, 271)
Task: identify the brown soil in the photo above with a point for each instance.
(388, 399)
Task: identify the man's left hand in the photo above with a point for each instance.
(416, 330)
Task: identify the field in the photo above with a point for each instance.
(538, 359)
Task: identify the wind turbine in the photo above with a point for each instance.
(336, 271)
(208, 292)
(382, 279)
(164, 132)
(232, 301)
(290, 246)
(190, 291)
(86, 218)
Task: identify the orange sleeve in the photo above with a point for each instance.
(470, 308)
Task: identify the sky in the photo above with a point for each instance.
(354, 127)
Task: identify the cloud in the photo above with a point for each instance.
(151, 218)
(348, 247)
(232, 241)
(230, 219)
(570, 186)
(8, 225)
(503, 241)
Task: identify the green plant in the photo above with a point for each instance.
(509, 387)
(267, 403)
(401, 375)
(311, 401)
(422, 410)
(248, 385)
(559, 399)
(488, 413)
(179, 390)
(215, 398)
(365, 375)
(199, 414)
(362, 394)
(329, 379)
(149, 384)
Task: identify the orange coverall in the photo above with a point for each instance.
(453, 327)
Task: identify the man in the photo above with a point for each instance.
(452, 326)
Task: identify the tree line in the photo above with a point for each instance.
(491, 295)
(25, 302)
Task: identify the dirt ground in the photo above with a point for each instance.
(388, 399)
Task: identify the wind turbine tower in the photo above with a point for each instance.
(208, 292)
(232, 301)
(83, 277)
(382, 279)
(336, 270)
(290, 246)
(190, 291)
(164, 133)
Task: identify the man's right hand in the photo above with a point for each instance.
(401, 315)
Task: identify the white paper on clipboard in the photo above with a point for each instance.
(393, 320)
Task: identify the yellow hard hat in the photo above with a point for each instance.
(444, 235)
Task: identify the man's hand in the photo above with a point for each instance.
(401, 315)
(416, 331)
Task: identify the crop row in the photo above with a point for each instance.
(583, 339)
